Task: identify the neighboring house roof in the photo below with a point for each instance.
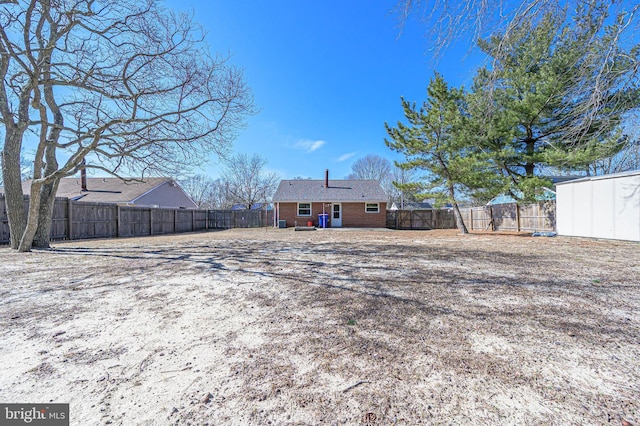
(256, 206)
(338, 191)
(413, 206)
(117, 191)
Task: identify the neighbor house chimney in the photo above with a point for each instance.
(326, 178)
(83, 177)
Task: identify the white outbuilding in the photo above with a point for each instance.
(600, 206)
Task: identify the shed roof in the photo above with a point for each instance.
(600, 177)
(361, 191)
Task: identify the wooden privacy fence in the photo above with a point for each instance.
(539, 216)
(72, 220)
(227, 219)
(420, 219)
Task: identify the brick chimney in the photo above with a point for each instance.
(83, 177)
(326, 178)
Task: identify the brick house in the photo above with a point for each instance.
(348, 203)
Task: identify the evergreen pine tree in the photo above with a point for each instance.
(434, 140)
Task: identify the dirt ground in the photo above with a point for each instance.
(336, 327)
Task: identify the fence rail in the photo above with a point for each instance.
(73, 220)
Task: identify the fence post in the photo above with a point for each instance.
(517, 217)
(69, 218)
(150, 221)
(471, 218)
(175, 221)
(491, 222)
(118, 221)
(193, 220)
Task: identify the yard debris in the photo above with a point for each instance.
(361, 382)
(207, 398)
(544, 234)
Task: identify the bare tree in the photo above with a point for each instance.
(401, 180)
(371, 167)
(208, 193)
(446, 22)
(374, 167)
(122, 86)
(394, 180)
(247, 182)
(218, 196)
(626, 160)
(198, 188)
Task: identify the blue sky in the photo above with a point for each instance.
(325, 77)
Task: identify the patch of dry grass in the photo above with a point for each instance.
(326, 327)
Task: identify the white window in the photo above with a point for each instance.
(304, 209)
(372, 208)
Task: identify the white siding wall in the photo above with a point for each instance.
(601, 207)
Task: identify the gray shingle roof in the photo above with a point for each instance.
(103, 190)
(338, 191)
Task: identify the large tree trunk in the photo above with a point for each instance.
(456, 210)
(32, 219)
(530, 142)
(459, 221)
(47, 195)
(14, 198)
(45, 215)
(452, 195)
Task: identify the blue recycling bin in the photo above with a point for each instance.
(323, 220)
